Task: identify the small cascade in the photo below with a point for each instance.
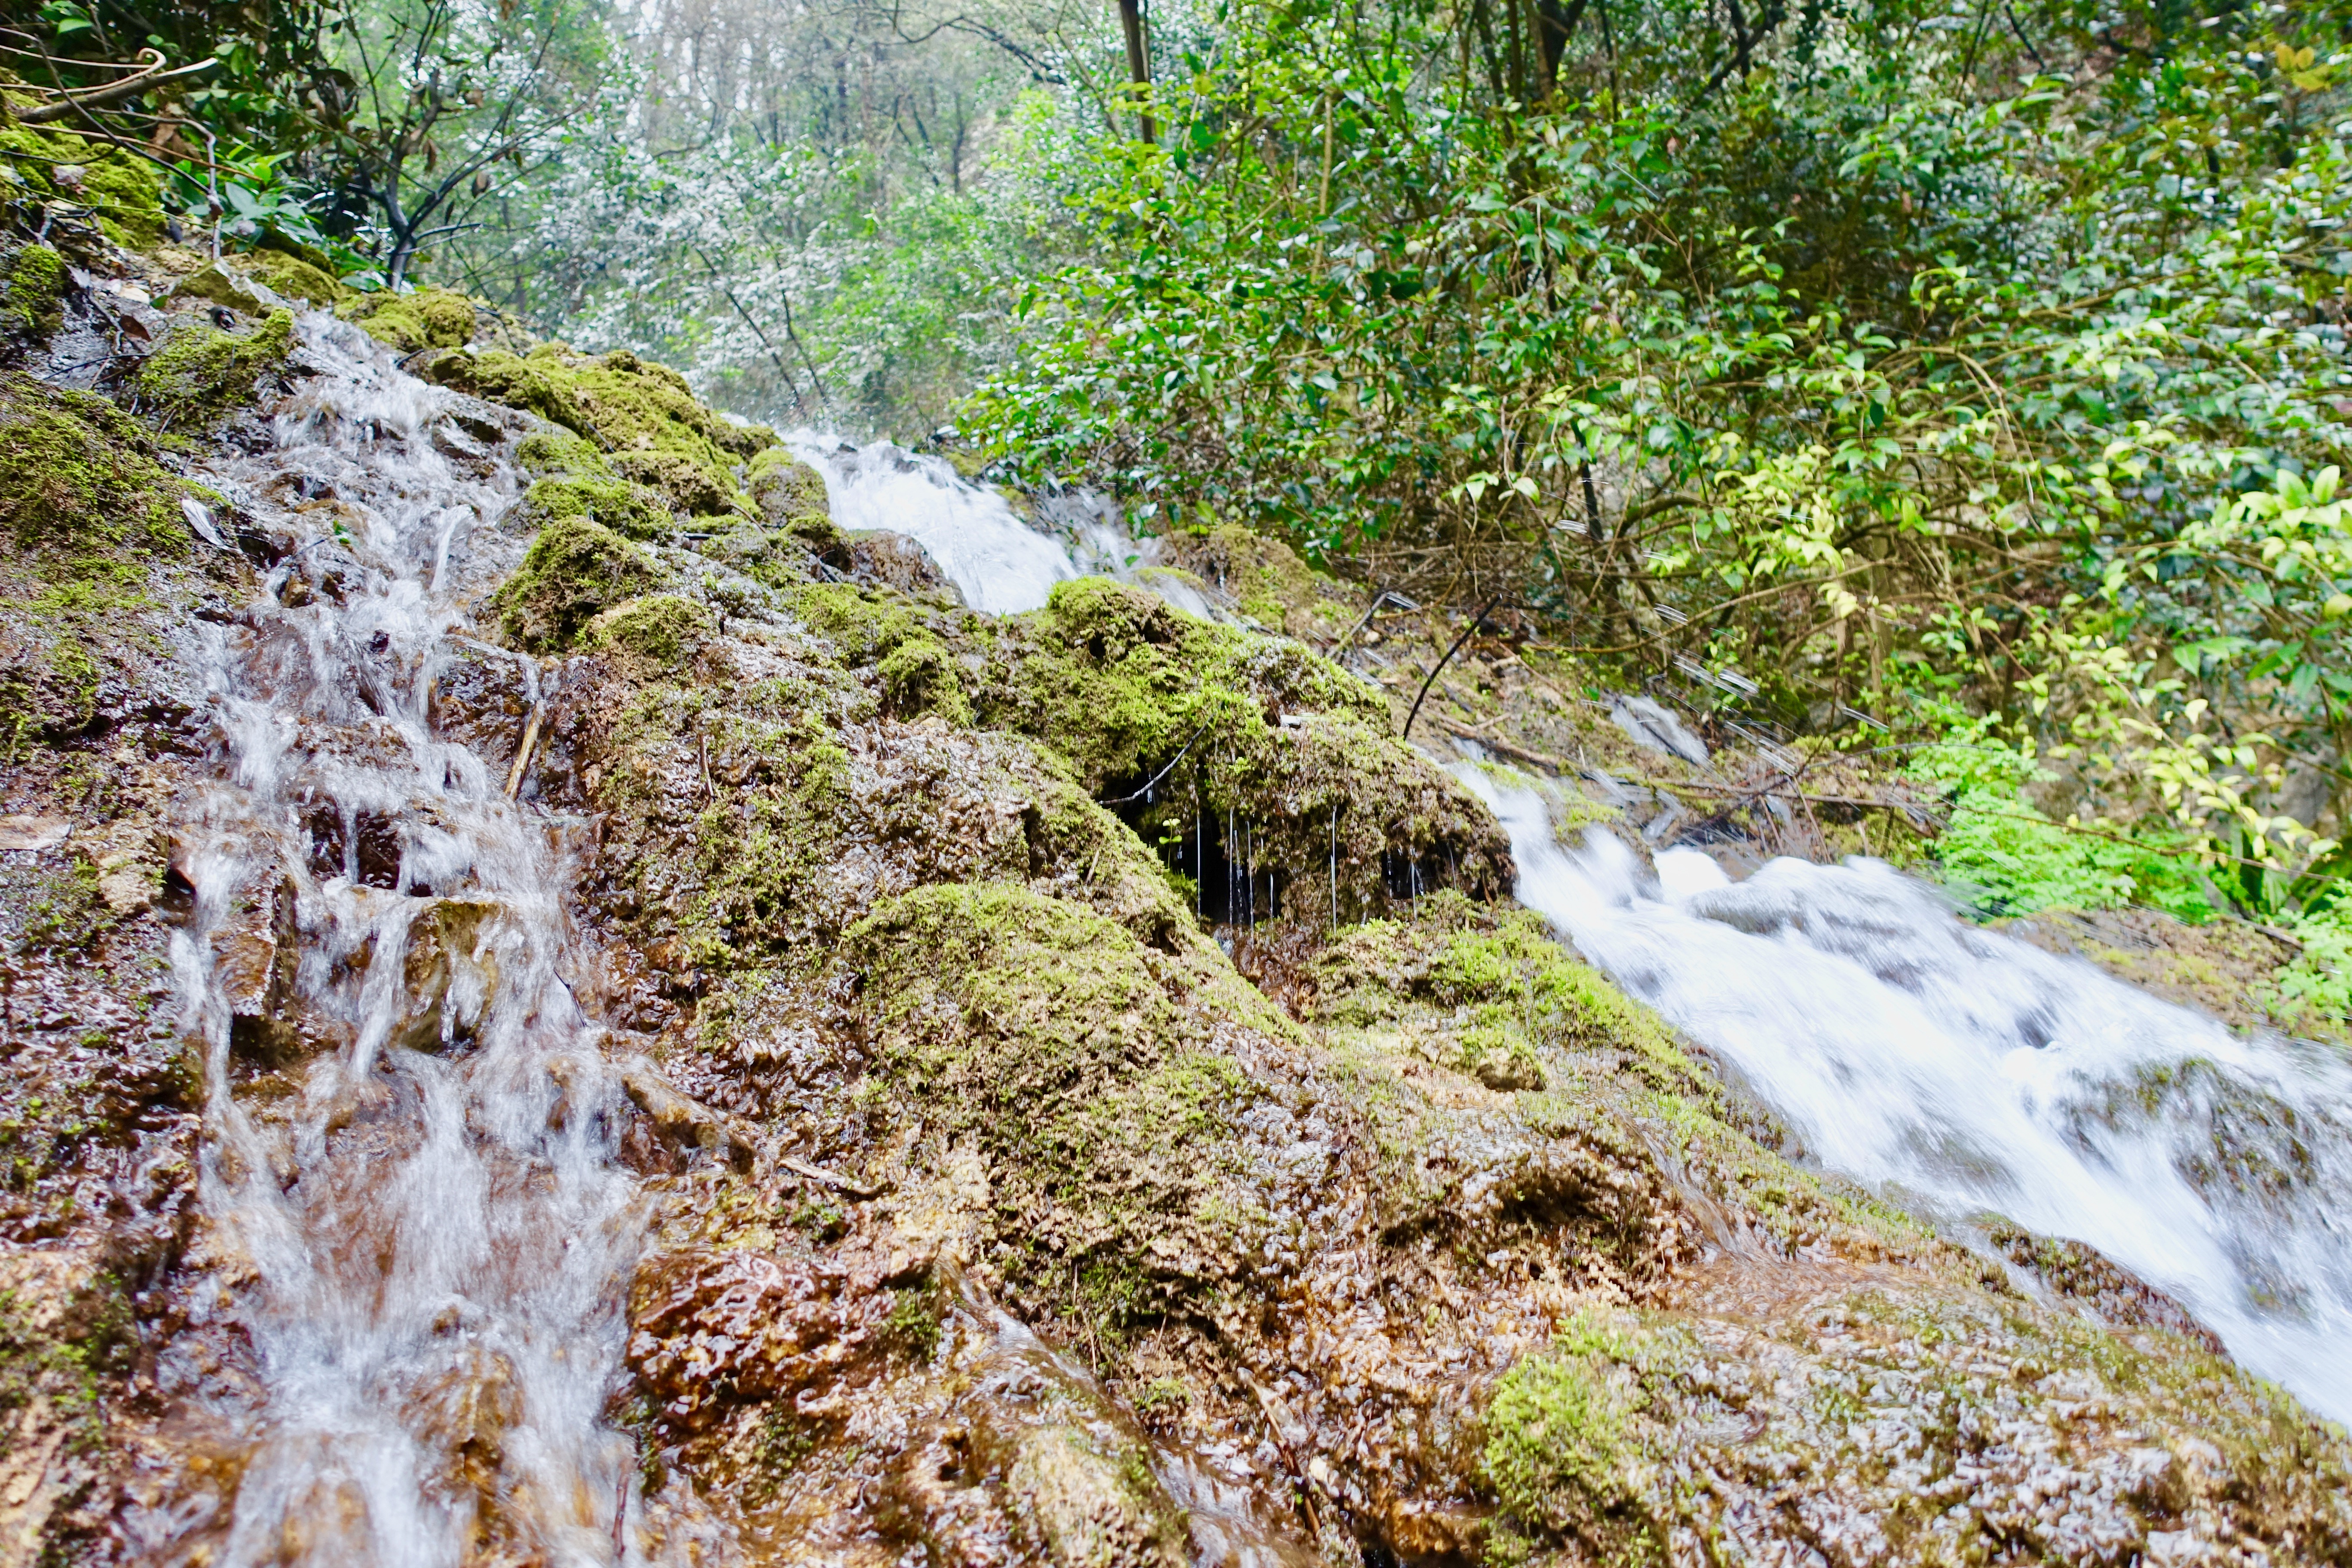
(1960, 1071)
(418, 1234)
(999, 564)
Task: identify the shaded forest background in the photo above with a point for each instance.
(1957, 384)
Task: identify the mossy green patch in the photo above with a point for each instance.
(1269, 583)
(620, 403)
(624, 508)
(791, 496)
(536, 385)
(118, 187)
(1219, 721)
(294, 278)
(546, 452)
(657, 631)
(1559, 1453)
(902, 639)
(98, 541)
(575, 570)
(201, 374)
(691, 489)
(1055, 1039)
(427, 319)
(32, 298)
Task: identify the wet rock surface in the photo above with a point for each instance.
(1064, 1089)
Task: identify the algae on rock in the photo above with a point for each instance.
(574, 570)
(202, 374)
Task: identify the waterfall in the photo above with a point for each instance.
(1956, 1071)
(422, 1246)
(1000, 564)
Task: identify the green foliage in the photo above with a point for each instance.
(2008, 857)
(1904, 363)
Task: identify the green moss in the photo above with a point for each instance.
(32, 300)
(1559, 1452)
(538, 384)
(98, 542)
(657, 631)
(546, 452)
(201, 374)
(574, 570)
(218, 285)
(1290, 745)
(49, 1362)
(691, 489)
(913, 1326)
(791, 496)
(624, 508)
(1271, 584)
(294, 277)
(899, 638)
(1052, 1036)
(119, 189)
(622, 404)
(427, 319)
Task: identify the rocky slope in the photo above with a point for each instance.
(1092, 1098)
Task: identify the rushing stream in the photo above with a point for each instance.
(1961, 1072)
(422, 1248)
(419, 1232)
(1957, 1070)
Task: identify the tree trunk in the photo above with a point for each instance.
(1139, 58)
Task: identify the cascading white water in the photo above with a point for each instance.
(1000, 564)
(426, 1250)
(1961, 1072)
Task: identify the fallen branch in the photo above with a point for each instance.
(816, 1173)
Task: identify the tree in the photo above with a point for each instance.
(455, 101)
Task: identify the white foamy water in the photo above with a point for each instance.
(1960, 1071)
(425, 1246)
(1000, 564)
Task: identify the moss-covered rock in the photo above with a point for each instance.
(1927, 1424)
(99, 551)
(622, 404)
(119, 189)
(654, 633)
(575, 570)
(294, 278)
(906, 641)
(1266, 581)
(426, 318)
(1067, 1048)
(33, 291)
(1216, 721)
(202, 374)
(624, 508)
(545, 452)
(791, 496)
(689, 488)
(535, 385)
